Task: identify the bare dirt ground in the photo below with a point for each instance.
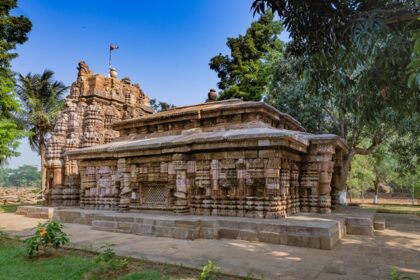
(386, 198)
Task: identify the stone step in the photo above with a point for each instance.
(312, 234)
(310, 230)
(379, 223)
(35, 212)
(322, 236)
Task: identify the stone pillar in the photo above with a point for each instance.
(195, 207)
(214, 177)
(326, 165)
(272, 177)
(285, 186)
(309, 183)
(180, 166)
(241, 176)
(272, 185)
(123, 169)
(294, 187)
(82, 200)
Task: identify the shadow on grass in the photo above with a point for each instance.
(393, 208)
(76, 264)
(8, 208)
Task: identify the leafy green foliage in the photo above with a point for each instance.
(397, 275)
(325, 26)
(357, 89)
(160, 106)
(42, 100)
(386, 167)
(109, 263)
(49, 234)
(209, 271)
(245, 74)
(23, 176)
(288, 93)
(361, 176)
(10, 132)
(13, 31)
(107, 254)
(413, 69)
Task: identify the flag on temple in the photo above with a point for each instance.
(113, 47)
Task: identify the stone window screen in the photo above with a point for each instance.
(155, 196)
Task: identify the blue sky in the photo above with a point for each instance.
(164, 45)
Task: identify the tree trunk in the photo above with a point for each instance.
(413, 192)
(42, 152)
(376, 185)
(344, 172)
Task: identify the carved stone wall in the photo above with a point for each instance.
(222, 158)
(261, 184)
(94, 103)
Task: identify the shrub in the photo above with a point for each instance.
(109, 264)
(49, 234)
(108, 258)
(397, 275)
(209, 271)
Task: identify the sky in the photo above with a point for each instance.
(165, 45)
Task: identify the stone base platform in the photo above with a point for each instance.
(305, 230)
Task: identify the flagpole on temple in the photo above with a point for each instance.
(109, 63)
(111, 48)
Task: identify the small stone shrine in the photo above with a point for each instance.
(221, 158)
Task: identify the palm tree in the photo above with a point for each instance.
(42, 100)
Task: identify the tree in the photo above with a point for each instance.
(42, 100)
(413, 69)
(358, 81)
(288, 92)
(160, 106)
(361, 176)
(10, 132)
(326, 26)
(13, 31)
(245, 73)
(23, 176)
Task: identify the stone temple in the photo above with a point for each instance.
(109, 151)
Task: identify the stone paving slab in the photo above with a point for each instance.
(355, 257)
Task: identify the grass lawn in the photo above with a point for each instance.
(68, 264)
(393, 208)
(8, 208)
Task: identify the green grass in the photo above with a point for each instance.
(15, 265)
(69, 266)
(392, 208)
(72, 264)
(144, 275)
(8, 208)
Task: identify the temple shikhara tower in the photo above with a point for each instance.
(220, 158)
(94, 103)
